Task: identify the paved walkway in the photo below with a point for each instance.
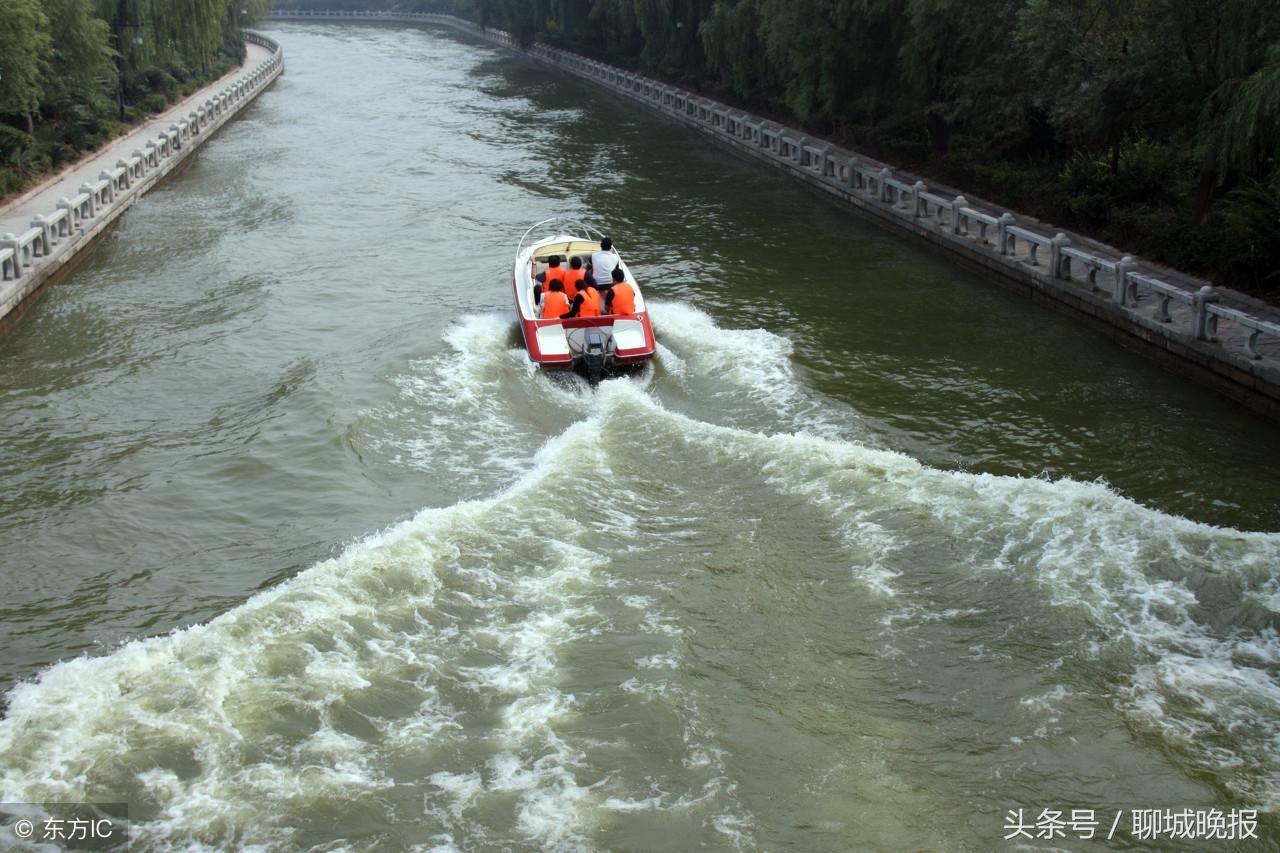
(16, 214)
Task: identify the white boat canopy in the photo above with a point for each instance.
(566, 249)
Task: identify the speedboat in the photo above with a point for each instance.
(594, 346)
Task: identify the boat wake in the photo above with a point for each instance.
(540, 667)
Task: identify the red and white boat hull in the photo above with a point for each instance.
(615, 340)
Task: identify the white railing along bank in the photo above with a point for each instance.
(999, 239)
(23, 255)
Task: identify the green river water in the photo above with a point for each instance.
(299, 552)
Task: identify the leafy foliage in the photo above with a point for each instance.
(71, 70)
(81, 65)
(24, 46)
(1247, 133)
(1151, 123)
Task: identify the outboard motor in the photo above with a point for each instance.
(593, 354)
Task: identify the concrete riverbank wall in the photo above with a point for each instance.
(58, 238)
(1218, 337)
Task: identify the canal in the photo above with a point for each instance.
(298, 548)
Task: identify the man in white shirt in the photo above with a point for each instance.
(603, 263)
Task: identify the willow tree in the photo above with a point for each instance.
(570, 21)
(734, 47)
(24, 50)
(196, 29)
(1241, 123)
(81, 72)
(127, 20)
(615, 21)
(836, 59)
(1095, 68)
(954, 62)
(669, 30)
(523, 19)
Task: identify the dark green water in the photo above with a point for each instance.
(873, 554)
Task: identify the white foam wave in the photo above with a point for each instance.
(463, 391)
(169, 721)
(1091, 553)
(752, 359)
(283, 675)
(737, 366)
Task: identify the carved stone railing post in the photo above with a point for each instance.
(1120, 292)
(1055, 256)
(918, 189)
(10, 241)
(1002, 232)
(93, 202)
(43, 242)
(1206, 329)
(73, 215)
(959, 202)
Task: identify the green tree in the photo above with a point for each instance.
(1251, 233)
(24, 48)
(1093, 66)
(955, 63)
(836, 59)
(735, 51)
(669, 31)
(569, 22)
(81, 72)
(1241, 125)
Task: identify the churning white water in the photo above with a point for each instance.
(542, 666)
(836, 572)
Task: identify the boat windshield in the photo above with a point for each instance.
(565, 249)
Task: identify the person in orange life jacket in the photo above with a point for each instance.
(572, 278)
(554, 272)
(621, 298)
(586, 303)
(555, 304)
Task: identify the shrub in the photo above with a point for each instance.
(10, 182)
(1248, 220)
(902, 139)
(158, 80)
(13, 140)
(23, 154)
(60, 152)
(155, 103)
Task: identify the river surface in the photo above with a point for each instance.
(299, 552)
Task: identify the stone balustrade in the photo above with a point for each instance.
(1257, 327)
(21, 251)
(1131, 298)
(22, 255)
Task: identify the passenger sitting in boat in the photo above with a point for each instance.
(556, 304)
(572, 278)
(603, 263)
(621, 298)
(554, 272)
(586, 302)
